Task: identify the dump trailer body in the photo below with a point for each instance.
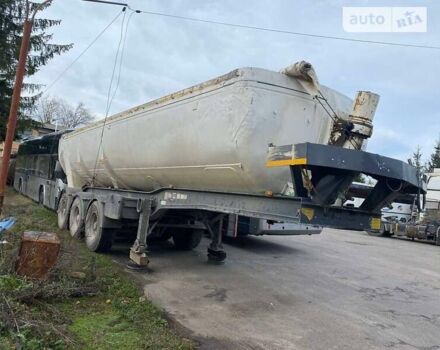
(190, 161)
(212, 136)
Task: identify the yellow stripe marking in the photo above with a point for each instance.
(284, 162)
(375, 223)
(309, 213)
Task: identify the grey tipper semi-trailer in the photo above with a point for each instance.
(208, 159)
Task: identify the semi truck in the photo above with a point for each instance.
(413, 216)
(424, 218)
(250, 150)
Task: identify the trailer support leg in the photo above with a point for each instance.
(138, 252)
(216, 252)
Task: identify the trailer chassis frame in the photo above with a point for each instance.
(209, 208)
(331, 169)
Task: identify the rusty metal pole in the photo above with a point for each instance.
(16, 94)
(15, 103)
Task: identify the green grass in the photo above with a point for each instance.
(117, 317)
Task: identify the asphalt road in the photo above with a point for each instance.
(338, 290)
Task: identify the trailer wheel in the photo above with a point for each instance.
(165, 236)
(382, 232)
(385, 233)
(98, 238)
(76, 222)
(187, 239)
(63, 212)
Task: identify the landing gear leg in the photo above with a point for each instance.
(138, 252)
(216, 252)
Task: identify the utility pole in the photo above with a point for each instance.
(16, 95)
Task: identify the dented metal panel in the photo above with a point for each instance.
(212, 136)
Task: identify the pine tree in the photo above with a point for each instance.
(416, 160)
(434, 162)
(12, 16)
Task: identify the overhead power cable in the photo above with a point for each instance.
(81, 54)
(265, 29)
(111, 93)
(115, 64)
(108, 2)
(124, 40)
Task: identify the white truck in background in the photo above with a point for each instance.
(408, 218)
(424, 225)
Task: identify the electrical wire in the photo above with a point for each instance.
(122, 41)
(265, 29)
(118, 51)
(118, 57)
(121, 60)
(193, 19)
(333, 116)
(81, 54)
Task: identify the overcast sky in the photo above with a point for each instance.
(164, 55)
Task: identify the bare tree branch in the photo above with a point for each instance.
(56, 110)
(47, 109)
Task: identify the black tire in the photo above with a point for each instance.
(165, 236)
(217, 256)
(437, 236)
(98, 239)
(382, 232)
(187, 239)
(41, 196)
(76, 221)
(376, 233)
(63, 212)
(386, 234)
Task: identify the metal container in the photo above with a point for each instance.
(212, 136)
